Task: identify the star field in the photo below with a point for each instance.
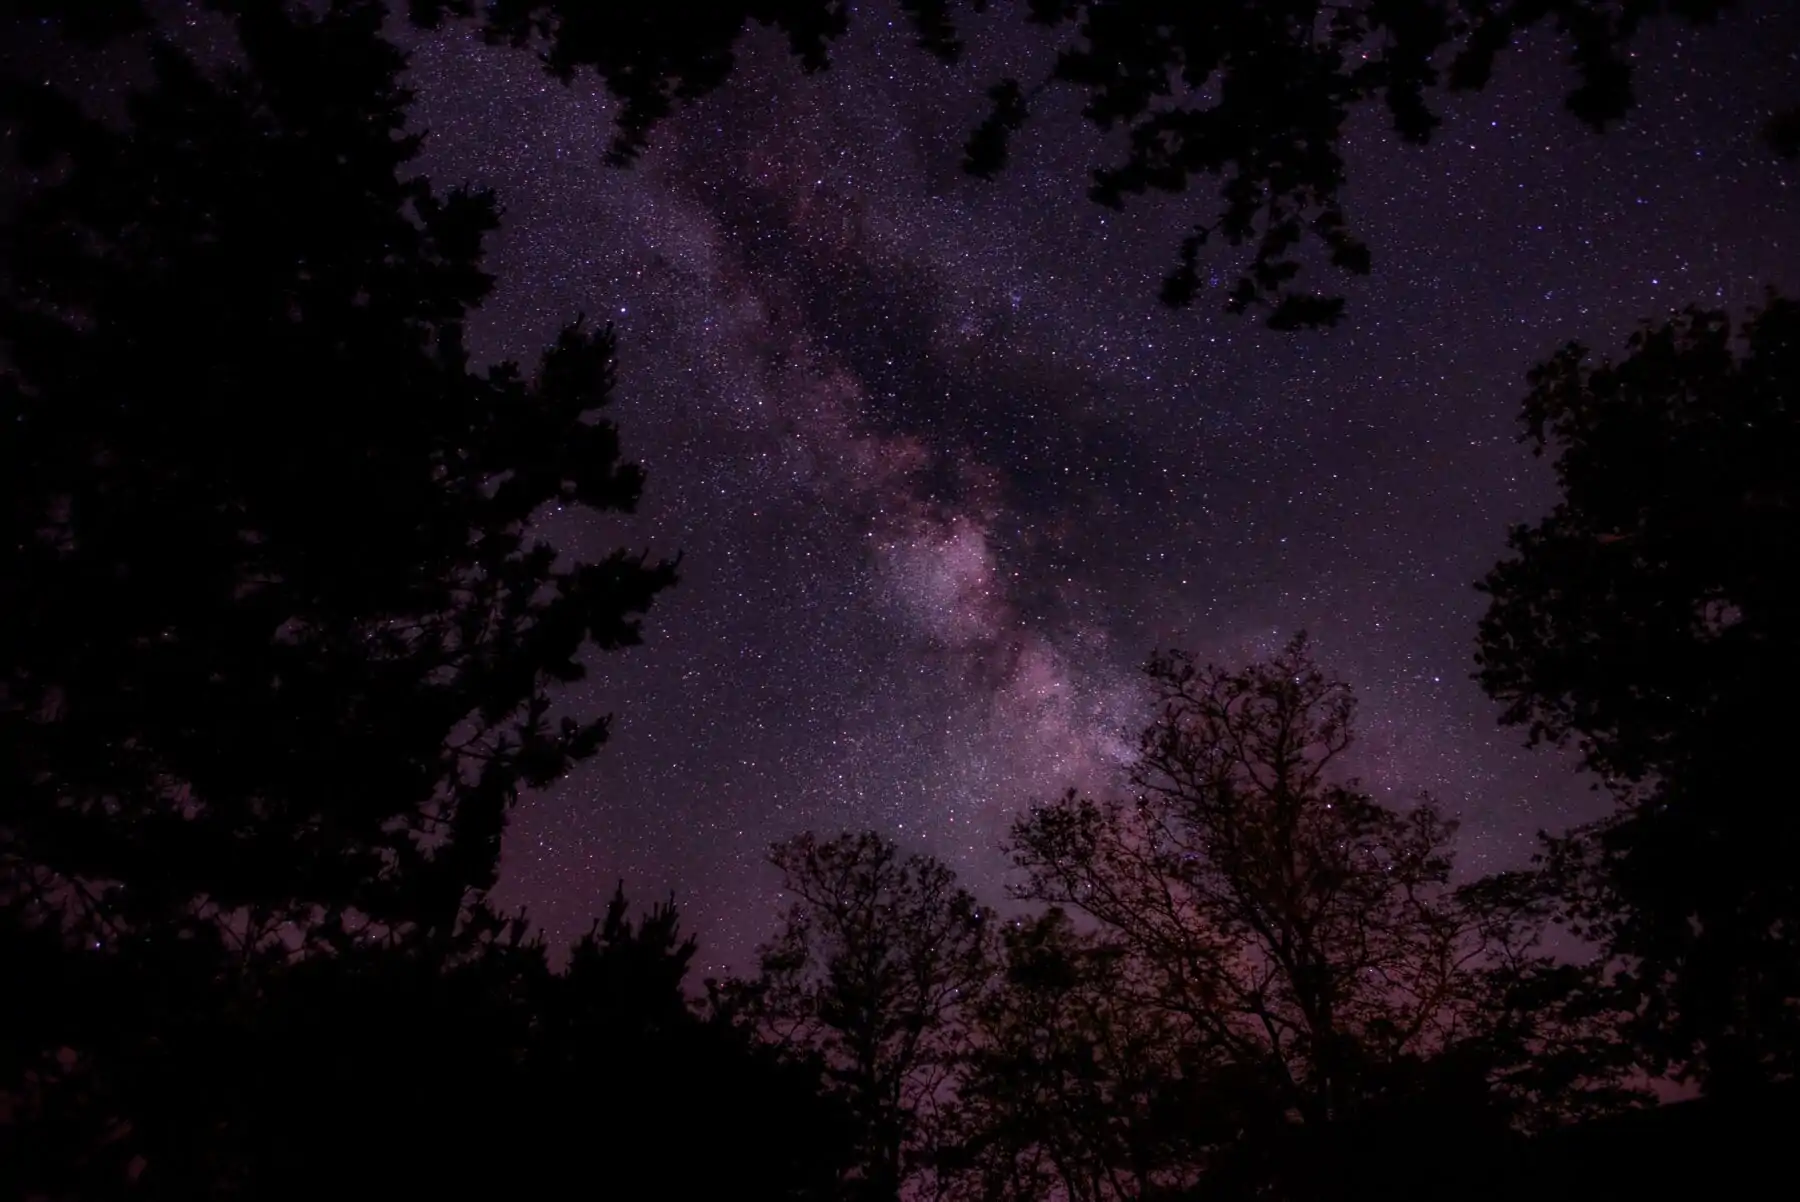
(944, 471)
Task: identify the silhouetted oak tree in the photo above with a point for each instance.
(1305, 941)
(873, 971)
(1651, 619)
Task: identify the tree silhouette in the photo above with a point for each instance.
(1254, 93)
(387, 1070)
(618, 1048)
(1650, 620)
(1074, 1089)
(1305, 942)
(873, 971)
(1257, 94)
(280, 634)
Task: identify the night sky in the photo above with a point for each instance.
(944, 470)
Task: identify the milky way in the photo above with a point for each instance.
(943, 470)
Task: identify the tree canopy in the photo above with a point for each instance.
(1252, 94)
(1302, 931)
(1649, 620)
(1255, 94)
(1250, 976)
(874, 969)
(281, 638)
(282, 635)
(386, 1068)
(280, 632)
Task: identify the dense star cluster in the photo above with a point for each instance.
(944, 471)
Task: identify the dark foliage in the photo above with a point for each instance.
(1073, 1086)
(278, 635)
(281, 643)
(651, 55)
(1708, 1148)
(1253, 93)
(1290, 959)
(872, 973)
(386, 1070)
(1651, 620)
(278, 647)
